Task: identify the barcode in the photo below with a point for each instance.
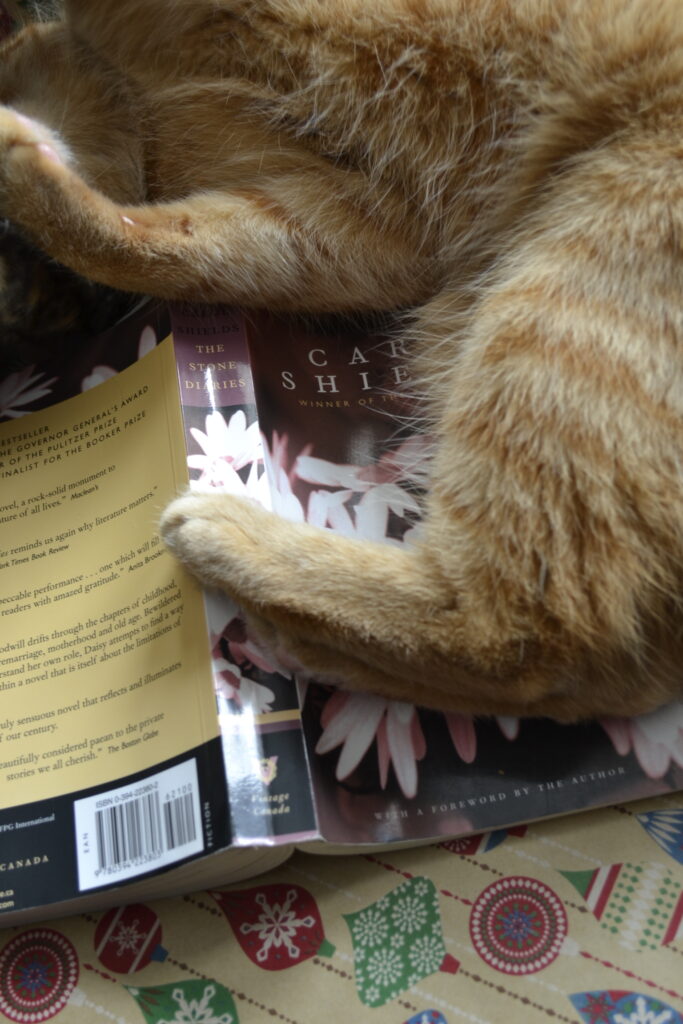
(133, 829)
(179, 823)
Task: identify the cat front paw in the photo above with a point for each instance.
(217, 537)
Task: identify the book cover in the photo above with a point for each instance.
(343, 453)
(110, 746)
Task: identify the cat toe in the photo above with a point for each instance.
(18, 131)
(30, 157)
(203, 509)
(205, 530)
(185, 516)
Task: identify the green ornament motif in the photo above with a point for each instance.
(397, 941)
(641, 905)
(186, 1002)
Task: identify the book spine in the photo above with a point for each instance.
(265, 759)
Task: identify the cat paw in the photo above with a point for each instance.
(20, 133)
(220, 538)
(31, 156)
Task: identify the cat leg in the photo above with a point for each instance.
(399, 633)
(248, 247)
(549, 575)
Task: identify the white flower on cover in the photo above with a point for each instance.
(463, 736)
(195, 1011)
(354, 720)
(22, 388)
(226, 449)
(257, 697)
(331, 474)
(509, 726)
(99, 374)
(656, 739)
(220, 610)
(233, 685)
(642, 1015)
(148, 340)
(369, 517)
(406, 462)
(281, 499)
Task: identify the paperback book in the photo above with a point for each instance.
(148, 744)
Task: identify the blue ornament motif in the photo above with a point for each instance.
(666, 828)
(610, 1007)
(427, 1017)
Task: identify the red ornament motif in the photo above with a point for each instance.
(38, 973)
(481, 842)
(466, 846)
(518, 925)
(277, 926)
(126, 939)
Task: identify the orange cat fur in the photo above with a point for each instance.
(511, 169)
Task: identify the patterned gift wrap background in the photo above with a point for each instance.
(574, 920)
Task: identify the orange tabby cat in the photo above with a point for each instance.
(512, 170)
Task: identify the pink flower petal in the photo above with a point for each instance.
(461, 729)
(98, 376)
(333, 706)
(359, 738)
(383, 756)
(418, 738)
(372, 516)
(319, 471)
(654, 758)
(148, 340)
(316, 514)
(248, 651)
(201, 438)
(619, 731)
(677, 750)
(340, 520)
(509, 726)
(352, 717)
(402, 755)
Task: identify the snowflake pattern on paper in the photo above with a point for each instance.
(397, 941)
(277, 926)
(186, 1002)
(197, 1011)
(409, 914)
(127, 939)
